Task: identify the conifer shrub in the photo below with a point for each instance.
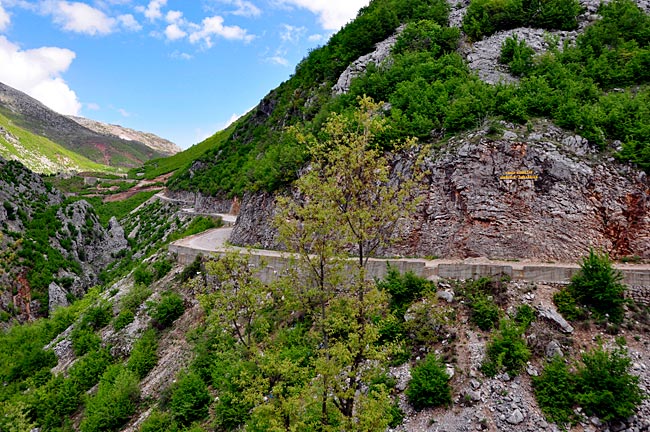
(97, 317)
(159, 422)
(507, 350)
(485, 313)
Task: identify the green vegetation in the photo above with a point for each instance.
(597, 287)
(403, 289)
(118, 209)
(601, 384)
(114, 402)
(144, 354)
(507, 350)
(157, 167)
(33, 148)
(190, 399)
(485, 17)
(429, 385)
(517, 55)
(167, 310)
(197, 225)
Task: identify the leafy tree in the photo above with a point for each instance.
(337, 211)
(598, 286)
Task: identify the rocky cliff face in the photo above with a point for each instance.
(74, 231)
(541, 194)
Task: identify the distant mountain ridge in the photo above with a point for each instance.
(31, 115)
(153, 141)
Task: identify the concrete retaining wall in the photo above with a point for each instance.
(270, 265)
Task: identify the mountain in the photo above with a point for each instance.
(490, 303)
(34, 117)
(161, 145)
(41, 155)
(471, 77)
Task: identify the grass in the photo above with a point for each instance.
(41, 155)
(158, 167)
(119, 209)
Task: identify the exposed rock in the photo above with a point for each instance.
(57, 296)
(551, 314)
(554, 349)
(571, 202)
(516, 417)
(381, 53)
(446, 295)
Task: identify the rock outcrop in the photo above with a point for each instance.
(541, 194)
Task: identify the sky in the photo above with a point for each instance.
(181, 69)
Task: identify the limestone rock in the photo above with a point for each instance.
(378, 56)
(554, 349)
(550, 313)
(516, 417)
(57, 296)
(446, 295)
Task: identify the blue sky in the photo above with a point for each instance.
(182, 69)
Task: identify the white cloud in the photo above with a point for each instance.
(129, 22)
(37, 72)
(92, 106)
(278, 60)
(243, 8)
(153, 9)
(333, 14)
(5, 19)
(315, 38)
(213, 26)
(78, 17)
(174, 17)
(124, 113)
(174, 32)
(292, 34)
(178, 55)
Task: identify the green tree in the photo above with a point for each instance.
(598, 286)
(429, 385)
(347, 203)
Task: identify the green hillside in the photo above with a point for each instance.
(597, 86)
(158, 167)
(41, 155)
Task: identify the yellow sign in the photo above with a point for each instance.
(519, 175)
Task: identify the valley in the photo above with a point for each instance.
(440, 222)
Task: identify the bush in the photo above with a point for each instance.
(517, 55)
(162, 268)
(144, 355)
(602, 385)
(167, 310)
(507, 351)
(143, 276)
(86, 371)
(485, 313)
(134, 298)
(84, 341)
(190, 399)
(114, 402)
(555, 391)
(159, 422)
(598, 286)
(123, 319)
(605, 386)
(567, 306)
(429, 385)
(403, 289)
(97, 317)
(525, 315)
